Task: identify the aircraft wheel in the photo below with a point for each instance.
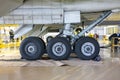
(49, 38)
(59, 48)
(32, 48)
(87, 48)
(44, 45)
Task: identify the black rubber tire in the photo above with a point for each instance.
(44, 45)
(66, 48)
(49, 38)
(37, 43)
(83, 43)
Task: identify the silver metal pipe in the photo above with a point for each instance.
(96, 22)
(92, 25)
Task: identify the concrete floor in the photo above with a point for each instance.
(13, 68)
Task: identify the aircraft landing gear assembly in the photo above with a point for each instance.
(60, 47)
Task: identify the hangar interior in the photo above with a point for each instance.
(103, 31)
(73, 34)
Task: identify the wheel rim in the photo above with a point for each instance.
(30, 49)
(88, 49)
(59, 49)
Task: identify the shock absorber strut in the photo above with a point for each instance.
(68, 30)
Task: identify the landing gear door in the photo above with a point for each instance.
(72, 17)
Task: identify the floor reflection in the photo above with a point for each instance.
(13, 68)
(83, 72)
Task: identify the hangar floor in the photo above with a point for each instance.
(13, 68)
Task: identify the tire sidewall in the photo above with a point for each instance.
(79, 44)
(55, 40)
(39, 46)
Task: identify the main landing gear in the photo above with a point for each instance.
(60, 47)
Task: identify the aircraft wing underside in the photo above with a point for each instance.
(51, 11)
(8, 5)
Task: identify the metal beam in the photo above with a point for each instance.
(92, 25)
